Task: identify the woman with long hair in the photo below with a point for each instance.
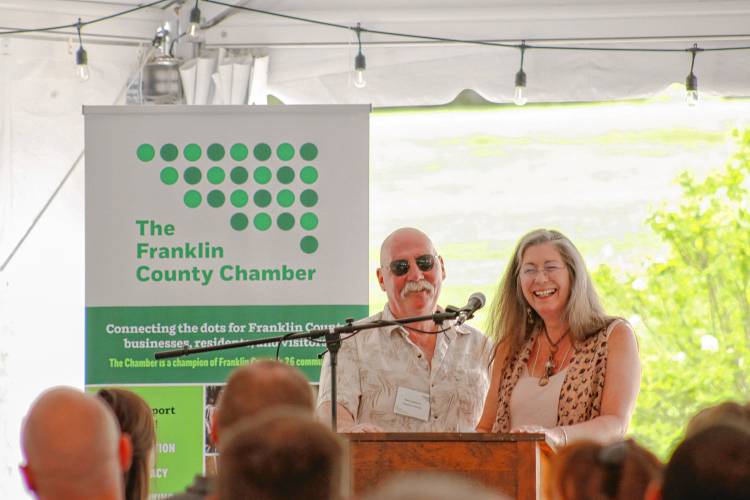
(137, 421)
(561, 365)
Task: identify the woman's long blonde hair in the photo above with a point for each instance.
(512, 320)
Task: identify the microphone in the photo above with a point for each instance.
(475, 302)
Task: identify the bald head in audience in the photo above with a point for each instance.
(73, 447)
(257, 387)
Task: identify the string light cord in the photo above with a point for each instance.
(356, 29)
(536, 46)
(81, 24)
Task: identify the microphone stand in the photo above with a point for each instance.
(332, 339)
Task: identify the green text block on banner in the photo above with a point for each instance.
(207, 225)
(126, 338)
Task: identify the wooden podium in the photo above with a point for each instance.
(510, 463)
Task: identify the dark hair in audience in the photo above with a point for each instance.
(588, 470)
(260, 385)
(726, 413)
(281, 454)
(135, 419)
(713, 463)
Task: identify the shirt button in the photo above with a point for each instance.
(435, 417)
(419, 355)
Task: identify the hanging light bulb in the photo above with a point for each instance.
(82, 58)
(691, 82)
(360, 64)
(519, 96)
(195, 21)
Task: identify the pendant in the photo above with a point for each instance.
(544, 380)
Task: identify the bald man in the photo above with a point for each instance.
(420, 377)
(73, 448)
(251, 390)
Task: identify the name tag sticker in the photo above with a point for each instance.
(411, 403)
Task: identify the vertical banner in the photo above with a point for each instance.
(216, 224)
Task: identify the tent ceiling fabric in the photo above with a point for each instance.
(313, 64)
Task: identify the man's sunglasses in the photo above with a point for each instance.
(401, 266)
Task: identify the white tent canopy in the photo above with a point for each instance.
(41, 126)
(313, 64)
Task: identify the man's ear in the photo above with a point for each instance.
(379, 274)
(442, 265)
(125, 452)
(215, 427)
(28, 477)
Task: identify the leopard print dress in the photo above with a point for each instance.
(581, 392)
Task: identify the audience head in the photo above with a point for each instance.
(257, 387)
(588, 470)
(73, 447)
(726, 413)
(432, 486)
(283, 453)
(712, 463)
(137, 421)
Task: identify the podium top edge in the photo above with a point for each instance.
(443, 436)
(180, 109)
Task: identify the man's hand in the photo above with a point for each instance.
(363, 427)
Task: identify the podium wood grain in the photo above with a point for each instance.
(510, 463)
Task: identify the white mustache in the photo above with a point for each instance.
(416, 286)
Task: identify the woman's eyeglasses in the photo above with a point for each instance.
(401, 266)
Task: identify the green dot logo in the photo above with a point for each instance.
(262, 151)
(238, 198)
(308, 198)
(285, 221)
(308, 151)
(308, 221)
(215, 198)
(262, 221)
(238, 221)
(262, 175)
(285, 175)
(216, 175)
(308, 244)
(192, 152)
(192, 175)
(169, 152)
(238, 152)
(239, 175)
(262, 198)
(308, 175)
(145, 152)
(215, 152)
(169, 175)
(192, 199)
(285, 198)
(285, 151)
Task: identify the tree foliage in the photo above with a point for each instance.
(691, 309)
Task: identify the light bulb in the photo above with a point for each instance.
(359, 79)
(359, 71)
(195, 21)
(691, 97)
(519, 97)
(691, 87)
(82, 64)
